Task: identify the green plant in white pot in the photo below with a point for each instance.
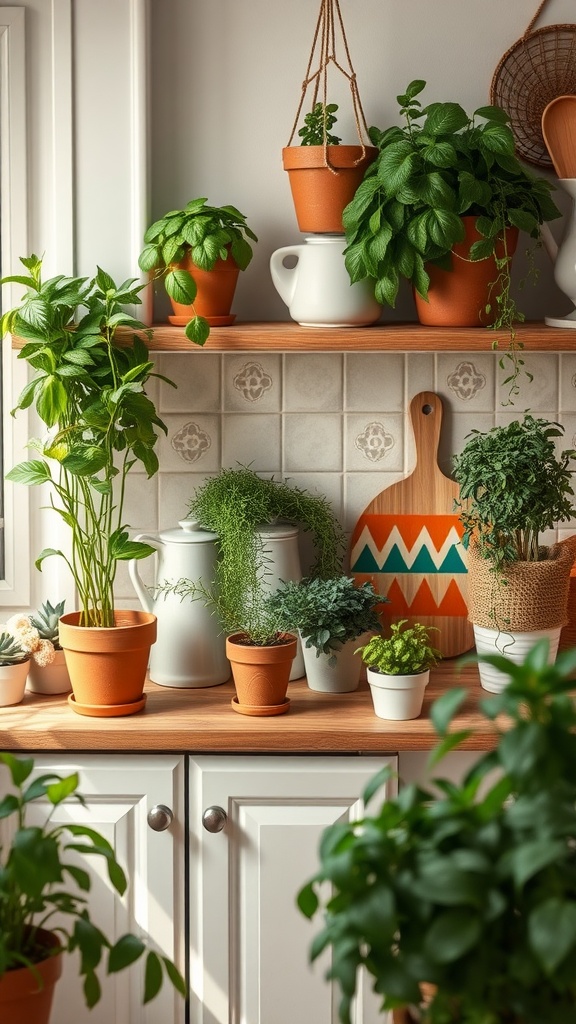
(398, 669)
(90, 395)
(514, 485)
(331, 616)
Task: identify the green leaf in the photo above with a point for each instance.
(445, 707)
(307, 900)
(180, 286)
(396, 166)
(197, 330)
(444, 119)
(152, 976)
(20, 768)
(51, 400)
(552, 932)
(530, 858)
(124, 952)
(452, 935)
(149, 258)
(175, 977)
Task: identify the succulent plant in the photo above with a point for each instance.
(11, 653)
(46, 621)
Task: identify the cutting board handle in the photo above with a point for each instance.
(426, 417)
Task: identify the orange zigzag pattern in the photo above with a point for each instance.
(423, 603)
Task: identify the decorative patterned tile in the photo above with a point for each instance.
(374, 380)
(312, 382)
(252, 439)
(252, 382)
(312, 442)
(193, 443)
(197, 375)
(466, 380)
(374, 441)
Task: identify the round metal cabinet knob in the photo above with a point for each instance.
(160, 817)
(214, 819)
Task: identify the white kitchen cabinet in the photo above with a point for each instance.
(248, 941)
(120, 791)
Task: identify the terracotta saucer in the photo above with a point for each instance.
(107, 710)
(214, 321)
(260, 711)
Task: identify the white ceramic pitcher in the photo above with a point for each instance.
(318, 291)
(190, 649)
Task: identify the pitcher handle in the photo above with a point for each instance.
(142, 591)
(284, 278)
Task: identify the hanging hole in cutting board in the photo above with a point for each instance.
(427, 409)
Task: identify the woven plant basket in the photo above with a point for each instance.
(529, 596)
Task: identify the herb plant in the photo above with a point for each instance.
(406, 652)
(513, 485)
(318, 125)
(206, 234)
(37, 882)
(90, 394)
(440, 165)
(467, 889)
(328, 612)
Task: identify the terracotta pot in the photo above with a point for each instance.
(458, 297)
(319, 193)
(108, 666)
(26, 997)
(215, 293)
(260, 674)
(46, 679)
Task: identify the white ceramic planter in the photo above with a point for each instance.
(48, 679)
(512, 645)
(13, 683)
(397, 698)
(341, 677)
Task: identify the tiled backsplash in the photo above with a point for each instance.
(334, 423)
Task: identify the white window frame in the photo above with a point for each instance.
(15, 587)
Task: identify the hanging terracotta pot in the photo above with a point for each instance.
(108, 666)
(458, 297)
(260, 674)
(323, 181)
(215, 293)
(26, 997)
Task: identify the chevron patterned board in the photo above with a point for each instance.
(408, 542)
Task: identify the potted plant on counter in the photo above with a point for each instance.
(14, 665)
(331, 615)
(398, 669)
(514, 484)
(458, 898)
(199, 252)
(48, 672)
(90, 395)
(43, 912)
(441, 206)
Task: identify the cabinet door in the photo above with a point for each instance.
(249, 943)
(119, 792)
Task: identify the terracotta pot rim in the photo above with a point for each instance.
(141, 618)
(341, 157)
(287, 640)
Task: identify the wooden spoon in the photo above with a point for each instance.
(559, 132)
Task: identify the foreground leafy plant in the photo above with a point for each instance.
(90, 394)
(467, 889)
(406, 652)
(37, 882)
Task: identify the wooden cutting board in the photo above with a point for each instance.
(408, 541)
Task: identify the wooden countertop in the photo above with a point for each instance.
(202, 720)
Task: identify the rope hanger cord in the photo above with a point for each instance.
(325, 32)
(535, 18)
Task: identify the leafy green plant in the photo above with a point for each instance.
(466, 888)
(407, 651)
(11, 652)
(328, 612)
(318, 124)
(440, 165)
(46, 621)
(205, 234)
(38, 882)
(90, 394)
(513, 485)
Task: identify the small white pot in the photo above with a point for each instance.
(52, 678)
(342, 677)
(512, 645)
(397, 698)
(13, 683)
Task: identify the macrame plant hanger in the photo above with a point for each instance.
(324, 48)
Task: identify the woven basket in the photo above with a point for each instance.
(536, 69)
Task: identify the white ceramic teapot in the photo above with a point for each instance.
(190, 647)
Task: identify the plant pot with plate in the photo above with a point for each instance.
(198, 252)
(100, 423)
(43, 910)
(332, 615)
(514, 484)
(398, 669)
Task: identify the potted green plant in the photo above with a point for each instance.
(514, 484)
(441, 206)
(199, 252)
(458, 898)
(330, 615)
(43, 911)
(398, 669)
(48, 672)
(14, 665)
(90, 395)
